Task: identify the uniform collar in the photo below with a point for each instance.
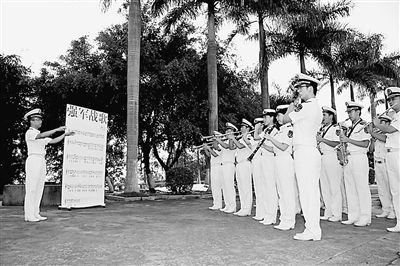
(32, 128)
(310, 100)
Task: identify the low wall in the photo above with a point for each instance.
(13, 195)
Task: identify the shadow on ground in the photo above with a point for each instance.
(182, 232)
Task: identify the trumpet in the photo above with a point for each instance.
(202, 145)
(384, 113)
(206, 138)
(250, 132)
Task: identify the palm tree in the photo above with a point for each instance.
(190, 9)
(265, 11)
(362, 64)
(309, 26)
(133, 77)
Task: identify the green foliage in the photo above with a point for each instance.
(16, 95)
(179, 180)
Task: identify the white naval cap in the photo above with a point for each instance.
(353, 105)
(282, 108)
(247, 123)
(301, 78)
(258, 120)
(385, 117)
(35, 112)
(328, 109)
(392, 92)
(216, 133)
(231, 126)
(270, 112)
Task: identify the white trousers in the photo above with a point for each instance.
(331, 182)
(357, 188)
(307, 164)
(382, 180)
(243, 179)
(286, 186)
(259, 188)
(228, 187)
(268, 182)
(216, 185)
(35, 168)
(392, 166)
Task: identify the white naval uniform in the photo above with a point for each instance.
(392, 163)
(331, 174)
(268, 181)
(243, 178)
(381, 177)
(307, 162)
(35, 167)
(356, 177)
(228, 173)
(285, 178)
(216, 179)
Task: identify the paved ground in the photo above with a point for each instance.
(182, 232)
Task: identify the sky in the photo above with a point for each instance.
(42, 30)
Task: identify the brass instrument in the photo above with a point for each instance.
(202, 145)
(208, 138)
(384, 113)
(341, 148)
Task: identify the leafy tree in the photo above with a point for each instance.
(16, 93)
(362, 63)
(217, 12)
(310, 26)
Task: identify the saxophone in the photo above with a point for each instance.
(341, 149)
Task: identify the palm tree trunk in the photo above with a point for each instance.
(351, 92)
(302, 62)
(372, 96)
(212, 70)
(333, 101)
(134, 33)
(263, 62)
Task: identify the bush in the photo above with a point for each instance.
(179, 180)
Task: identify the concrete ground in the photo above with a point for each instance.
(182, 232)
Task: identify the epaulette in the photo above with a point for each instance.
(362, 122)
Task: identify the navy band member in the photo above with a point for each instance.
(243, 169)
(214, 152)
(306, 120)
(331, 171)
(392, 150)
(356, 171)
(228, 169)
(35, 165)
(381, 177)
(264, 171)
(284, 171)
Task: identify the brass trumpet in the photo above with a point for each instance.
(384, 113)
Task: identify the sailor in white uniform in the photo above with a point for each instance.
(243, 168)
(381, 177)
(392, 150)
(306, 120)
(228, 169)
(357, 169)
(284, 171)
(35, 165)
(214, 152)
(331, 171)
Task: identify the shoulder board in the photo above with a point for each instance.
(362, 122)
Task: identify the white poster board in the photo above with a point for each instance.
(84, 158)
